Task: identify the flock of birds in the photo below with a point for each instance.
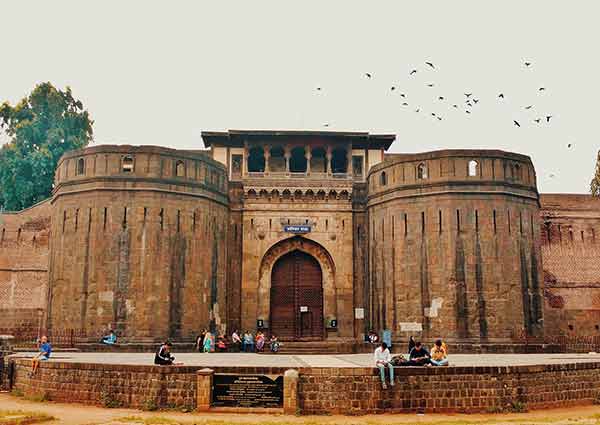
(470, 100)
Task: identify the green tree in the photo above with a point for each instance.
(595, 185)
(41, 128)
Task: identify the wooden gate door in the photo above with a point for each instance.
(297, 297)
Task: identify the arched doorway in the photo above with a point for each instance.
(297, 297)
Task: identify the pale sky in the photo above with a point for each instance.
(161, 72)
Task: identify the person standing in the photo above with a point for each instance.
(274, 343)
(200, 341)
(260, 341)
(236, 341)
(207, 343)
(248, 342)
(109, 339)
(383, 358)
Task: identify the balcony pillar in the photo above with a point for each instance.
(349, 157)
(267, 155)
(328, 156)
(287, 153)
(308, 156)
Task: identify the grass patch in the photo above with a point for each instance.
(20, 417)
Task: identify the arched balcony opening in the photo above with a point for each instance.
(298, 160)
(421, 171)
(179, 168)
(318, 161)
(256, 160)
(277, 160)
(473, 168)
(80, 167)
(127, 164)
(339, 161)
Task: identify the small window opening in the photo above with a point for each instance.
(127, 164)
(80, 166)
(383, 178)
(179, 168)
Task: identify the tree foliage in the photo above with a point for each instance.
(595, 185)
(41, 128)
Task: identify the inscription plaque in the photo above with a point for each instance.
(247, 390)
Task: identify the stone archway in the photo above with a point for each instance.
(309, 247)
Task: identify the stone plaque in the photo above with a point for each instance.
(247, 390)
(411, 327)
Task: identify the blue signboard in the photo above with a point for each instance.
(296, 229)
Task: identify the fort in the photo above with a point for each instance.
(317, 237)
(309, 235)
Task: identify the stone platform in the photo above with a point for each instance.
(327, 384)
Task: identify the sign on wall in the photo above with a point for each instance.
(359, 313)
(411, 327)
(290, 228)
(247, 390)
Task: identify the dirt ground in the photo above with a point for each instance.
(77, 414)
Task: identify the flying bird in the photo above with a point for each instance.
(527, 63)
(517, 123)
(430, 85)
(548, 118)
(393, 88)
(552, 175)
(537, 120)
(318, 88)
(325, 125)
(430, 64)
(414, 71)
(402, 95)
(569, 145)
(433, 114)
(439, 118)
(417, 110)
(368, 75)
(441, 98)
(501, 95)
(468, 95)
(542, 89)
(468, 112)
(475, 100)
(468, 103)
(455, 105)
(529, 107)
(404, 104)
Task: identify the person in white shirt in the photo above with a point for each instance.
(383, 358)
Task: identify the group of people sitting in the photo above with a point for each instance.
(417, 356)
(246, 342)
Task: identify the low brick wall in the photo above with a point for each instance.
(329, 390)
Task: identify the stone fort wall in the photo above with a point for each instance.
(24, 239)
(571, 251)
(455, 253)
(138, 243)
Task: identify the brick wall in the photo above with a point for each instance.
(24, 240)
(331, 390)
(570, 252)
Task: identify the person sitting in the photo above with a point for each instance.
(419, 356)
(221, 344)
(260, 341)
(411, 344)
(248, 344)
(382, 359)
(439, 354)
(43, 355)
(109, 339)
(274, 343)
(163, 355)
